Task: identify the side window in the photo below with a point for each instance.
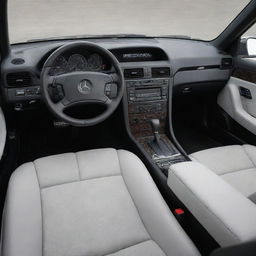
(249, 39)
(251, 32)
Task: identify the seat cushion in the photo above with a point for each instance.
(97, 202)
(235, 164)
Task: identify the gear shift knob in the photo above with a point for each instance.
(158, 144)
(155, 124)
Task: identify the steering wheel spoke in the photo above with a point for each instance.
(115, 78)
(49, 80)
(108, 103)
(60, 106)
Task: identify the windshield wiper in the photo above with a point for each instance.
(89, 37)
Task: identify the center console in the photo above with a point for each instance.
(147, 99)
(147, 105)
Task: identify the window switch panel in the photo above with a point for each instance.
(245, 92)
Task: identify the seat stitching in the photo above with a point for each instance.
(66, 183)
(40, 191)
(135, 203)
(225, 171)
(242, 170)
(207, 208)
(246, 152)
(78, 167)
(131, 195)
(144, 241)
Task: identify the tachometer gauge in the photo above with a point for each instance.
(95, 62)
(59, 66)
(77, 62)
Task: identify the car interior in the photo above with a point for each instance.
(129, 144)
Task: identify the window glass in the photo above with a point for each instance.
(42, 19)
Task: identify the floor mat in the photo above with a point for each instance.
(193, 140)
(40, 138)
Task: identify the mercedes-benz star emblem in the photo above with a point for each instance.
(84, 87)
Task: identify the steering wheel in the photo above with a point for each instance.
(82, 87)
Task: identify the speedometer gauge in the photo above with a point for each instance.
(77, 62)
(59, 66)
(95, 62)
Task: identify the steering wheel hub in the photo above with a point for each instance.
(85, 86)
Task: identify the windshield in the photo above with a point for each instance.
(40, 19)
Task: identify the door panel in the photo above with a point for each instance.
(238, 99)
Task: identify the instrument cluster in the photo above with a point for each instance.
(78, 62)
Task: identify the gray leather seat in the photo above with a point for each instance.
(97, 202)
(235, 164)
(216, 187)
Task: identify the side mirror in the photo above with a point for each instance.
(251, 46)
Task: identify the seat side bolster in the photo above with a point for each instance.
(225, 213)
(2, 132)
(22, 226)
(155, 214)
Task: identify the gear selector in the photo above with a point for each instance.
(155, 124)
(160, 147)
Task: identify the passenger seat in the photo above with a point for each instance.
(235, 164)
(219, 188)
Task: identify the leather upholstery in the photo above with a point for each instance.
(97, 202)
(220, 192)
(235, 164)
(225, 213)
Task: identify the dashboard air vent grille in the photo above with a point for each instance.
(133, 73)
(161, 72)
(19, 79)
(226, 63)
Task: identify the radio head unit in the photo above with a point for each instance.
(151, 93)
(147, 90)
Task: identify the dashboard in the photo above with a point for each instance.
(187, 62)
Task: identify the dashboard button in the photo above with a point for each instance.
(20, 93)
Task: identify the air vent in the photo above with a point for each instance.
(226, 63)
(19, 79)
(161, 72)
(133, 73)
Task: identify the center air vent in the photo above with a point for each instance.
(19, 79)
(161, 72)
(133, 73)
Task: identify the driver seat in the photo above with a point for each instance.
(96, 202)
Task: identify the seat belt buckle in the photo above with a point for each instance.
(179, 212)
